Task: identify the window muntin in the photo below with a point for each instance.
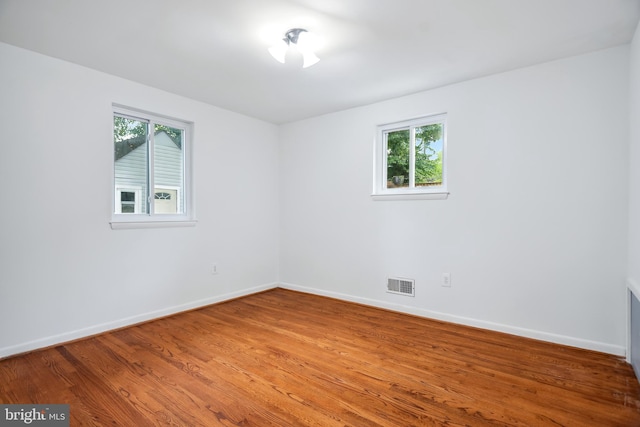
(150, 155)
(410, 157)
(162, 196)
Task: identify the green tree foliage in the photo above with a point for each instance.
(174, 134)
(124, 129)
(398, 155)
(428, 160)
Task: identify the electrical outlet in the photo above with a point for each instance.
(446, 280)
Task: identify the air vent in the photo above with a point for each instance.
(398, 285)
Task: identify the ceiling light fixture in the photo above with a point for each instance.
(300, 39)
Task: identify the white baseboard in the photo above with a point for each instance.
(523, 332)
(116, 324)
(128, 321)
(633, 289)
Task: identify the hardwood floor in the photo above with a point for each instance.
(282, 358)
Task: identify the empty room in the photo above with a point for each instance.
(320, 213)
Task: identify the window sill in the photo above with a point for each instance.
(128, 225)
(440, 195)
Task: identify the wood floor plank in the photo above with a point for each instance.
(283, 358)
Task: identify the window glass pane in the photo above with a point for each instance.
(428, 140)
(398, 156)
(130, 155)
(127, 196)
(168, 172)
(127, 201)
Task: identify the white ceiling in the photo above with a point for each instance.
(215, 51)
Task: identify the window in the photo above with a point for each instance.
(410, 159)
(127, 200)
(151, 170)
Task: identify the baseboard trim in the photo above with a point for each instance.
(633, 289)
(523, 332)
(145, 317)
(128, 321)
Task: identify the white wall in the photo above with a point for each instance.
(534, 232)
(63, 272)
(633, 272)
(634, 177)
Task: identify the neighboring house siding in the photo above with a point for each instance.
(130, 170)
(131, 173)
(168, 159)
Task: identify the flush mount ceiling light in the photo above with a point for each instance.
(300, 39)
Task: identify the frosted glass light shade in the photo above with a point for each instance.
(279, 51)
(306, 46)
(308, 59)
(300, 39)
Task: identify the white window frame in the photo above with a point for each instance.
(151, 219)
(380, 190)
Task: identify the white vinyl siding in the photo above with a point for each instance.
(131, 172)
(168, 173)
(169, 165)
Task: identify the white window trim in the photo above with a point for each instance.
(155, 223)
(433, 195)
(151, 220)
(380, 190)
